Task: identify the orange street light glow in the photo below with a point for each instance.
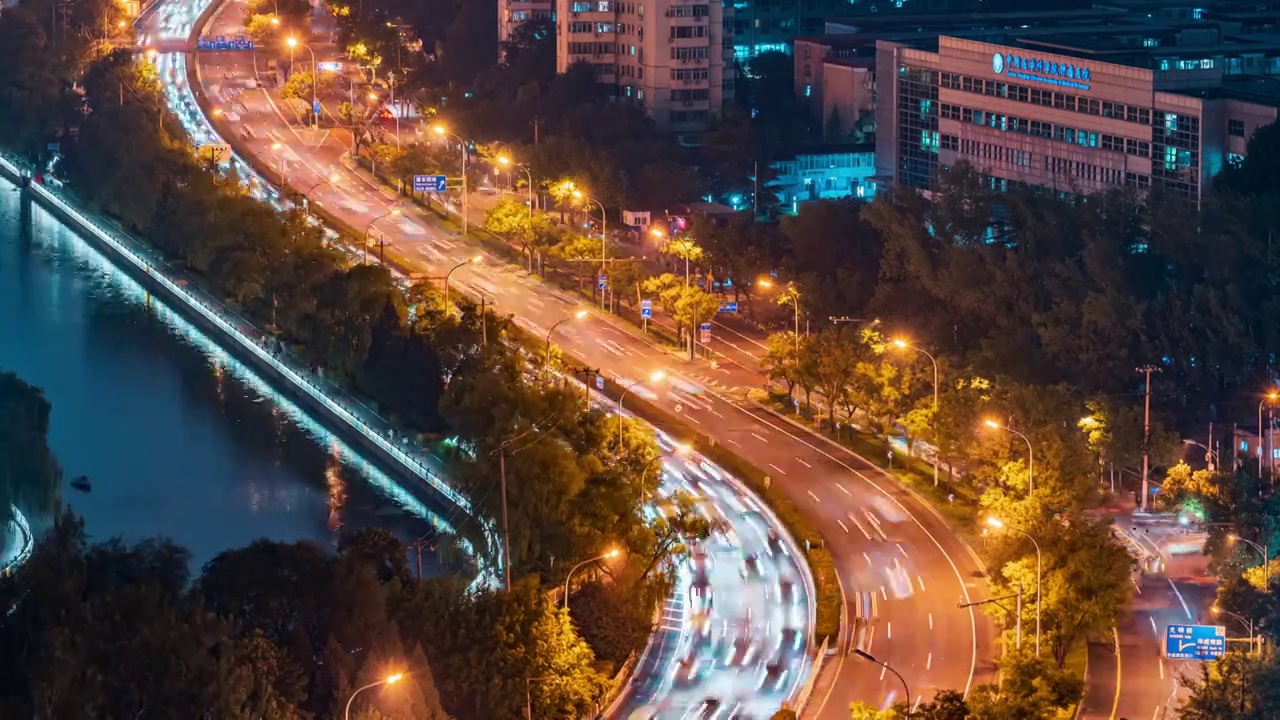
(504, 160)
(580, 314)
(657, 376)
(991, 423)
(291, 42)
(764, 283)
(438, 129)
(995, 522)
(393, 679)
(276, 21)
(613, 553)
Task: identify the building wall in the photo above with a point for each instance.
(771, 25)
(848, 93)
(809, 60)
(824, 176)
(513, 12)
(1041, 119)
(671, 57)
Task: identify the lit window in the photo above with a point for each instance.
(808, 89)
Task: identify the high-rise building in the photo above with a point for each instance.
(513, 12)
(674, 58)
(1055, 114)
(770, 25)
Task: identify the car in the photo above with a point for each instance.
(790, 641)
(700, 599)
(688, 669)
(708, 709)
(773, 676)
(741, 652)
(750, 566)
(787, 591)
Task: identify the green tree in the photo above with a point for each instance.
(29, 473)
(780, 360)
(695, 307)
(299, 86)
(1238, 686)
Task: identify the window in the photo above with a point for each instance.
(581, 7)
(689, 31)
(808, 90)
(1235, 128)
(1234, 159)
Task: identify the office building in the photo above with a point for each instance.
(513, 12)
(1063, 118)
(771, 25)
(674, 58)
(831, 172)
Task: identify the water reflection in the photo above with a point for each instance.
(179, 438)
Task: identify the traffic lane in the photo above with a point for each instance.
(1150, 683)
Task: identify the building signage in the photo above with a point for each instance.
(1049, 72)
(1195, 642)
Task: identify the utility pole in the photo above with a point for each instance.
(506, 535)
(1146, 436)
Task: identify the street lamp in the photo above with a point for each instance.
(1266, 556)
(655, 377)
(611, 554)
(1243, 621)
(390, 213)
(998, 524)
(604, 233)
(472, 261)
(1031, 456)
(1262, 443)
(576, 316)
(505, 161)
(306, 201)
(440, 130)
(900, 343)
(793, 296)
(292, 42)
(388, 680)
(868, 656)
(284, 182)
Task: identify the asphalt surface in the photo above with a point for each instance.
(902, 570)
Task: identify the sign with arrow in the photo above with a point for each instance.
(1195, 642)
(730, 306)
(646, 309)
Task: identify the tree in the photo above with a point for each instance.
(684, 248)
(780, 360)
(1238, 686)
(298, 87)
(1030, 689)
(679, 527)
(29, 473)
(695, 307)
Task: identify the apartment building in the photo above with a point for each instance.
(513, 12)
(771, 25)
(674, 58)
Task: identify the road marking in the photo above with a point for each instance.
(757, 436)
(1187, 610)
(1154, 630)
(842, 525)
(930, 621)
(775, 467)
(735, 442)
(904, 552)
(844, 489)
(1161, 668)
(884, 669)
(921, 579)
(928, 661)
(1115, 703)
(868, 557)
(797, 459)
(888, 630)
(884, 594)
(854, 520)
(815, 497)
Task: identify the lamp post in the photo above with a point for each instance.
(388, 680)
(507, 162)
(390, 213)
(471, 261)
(439, 130)
(576, 316)
(604, 233)
(1031, 456)
(868, 656)
(1266, 556)
(1243, 621)
(284, 182)
(292, 42)
(611, 554)
(906, 345)
(1262, 443)
(305, 201)
(999, 524)
(795, 300)
(656, 376)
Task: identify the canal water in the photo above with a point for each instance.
(177, 438)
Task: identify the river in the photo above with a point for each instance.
(177, 438)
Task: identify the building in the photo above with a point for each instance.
(770, 25)
(828, 173)
(674, 58)
(1059, 112)
(513, 12)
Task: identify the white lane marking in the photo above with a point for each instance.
(757, 436)
(798, 460)
(1161, 668)
(888, 630)
(921, 579)
(842, 525)
(868, 557)
(1187, 610)
(930, 621)
(884, 594)
(928, 661)
(844, 489)
(884, 669)
(735, 442)
(904, 552)
(775, 467)
(854, 520)
(1154, 630)
(815, 497)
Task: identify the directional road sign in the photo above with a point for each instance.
(646, 308)
(599, 382)
(706, 333)
(1195, 642)
(729, 307)
(602, 282)
(222, 42)
(315, 107)
(430, 183)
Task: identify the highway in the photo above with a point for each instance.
(901, 568)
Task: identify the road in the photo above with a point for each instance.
(889, 546)
(739, 621)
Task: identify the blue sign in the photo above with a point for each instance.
(221, 42)
(602, 282)
(315, 107)
(429, 183)
(53, 147)
(646, 308)
(729, 307)
(1195, 642)
(600, 382)
(1040, 70)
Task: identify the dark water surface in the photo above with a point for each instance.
(177, 437)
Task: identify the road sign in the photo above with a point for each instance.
(706, 333)
(53, 147)
(315, 107)
(729, 307)
(599, 382)
(1195, 642)
(602, 282)
(430, 183)
(222, 42)
(646, 308)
